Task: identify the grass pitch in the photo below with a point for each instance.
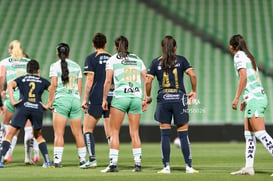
(215, 161)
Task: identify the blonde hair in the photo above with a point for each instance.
(16, 50)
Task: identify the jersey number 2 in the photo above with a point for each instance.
(31, 96)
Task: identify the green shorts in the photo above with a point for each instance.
(255, 107)
(68, 106)
(8, 104)
(132, 105)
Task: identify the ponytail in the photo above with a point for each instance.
(63, 52)
(238, 43)
(122, 44)
(16, 50)
(168, 45)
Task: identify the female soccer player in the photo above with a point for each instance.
(94, 69)
(66, 80)
(11, 68)
(127, 70)
(169, 69)
(254, 102)
(29, 106)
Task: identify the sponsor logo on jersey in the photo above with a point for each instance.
(18, 65)
(31, 105)
(128, 62)
(171, 96)
(103, 59)
(31, 79)
(131, 89)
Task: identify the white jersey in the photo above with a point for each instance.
(253, 87)
(127, 75)
(14, 69)
(71, 87)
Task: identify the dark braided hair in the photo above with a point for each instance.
(122, 44)
(63, 51)
(168, 45)
(238, 43)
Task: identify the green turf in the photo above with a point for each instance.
(214, 161)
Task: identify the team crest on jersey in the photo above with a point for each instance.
(159, 67)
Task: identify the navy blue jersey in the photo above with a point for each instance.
(31, 88)
(170, 83)
(95, 64)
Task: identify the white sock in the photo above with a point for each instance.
(250, 148)
(113, 155)
(36, 148)
(266, 140)
(137, 155)
(5, 128)
(82, 153)
(58, 154)
(27, 137)
(28, 133)
(1, 133)
(12, 146)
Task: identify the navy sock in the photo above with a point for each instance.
(44, 151)
(4, 149)
(165, 146)
(185, 146)
(90, 145)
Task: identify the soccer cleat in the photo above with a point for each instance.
(7, 159)
(1, 165)
(29, 162)
(57, 165)
(191, 170)
(48, 165)
(36, 159)
(137, 168)
(110, 168)
(82, 163)
(244, 171)
(165, 170)
(89, 164)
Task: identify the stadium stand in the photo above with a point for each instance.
(201, 28)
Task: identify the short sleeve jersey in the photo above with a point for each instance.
(75, 73)
(14, 69)
(95, 64)
(31, 88)
(172, 79)
(253, 86)
(127, 75)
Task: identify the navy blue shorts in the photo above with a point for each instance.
(97, 111)
(165, 111)
(21, 115)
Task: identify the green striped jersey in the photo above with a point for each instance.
(127, 75)
(14, 69)
(253, 87)
(71, 87)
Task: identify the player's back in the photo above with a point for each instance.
(31, 88)
(97, 61)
